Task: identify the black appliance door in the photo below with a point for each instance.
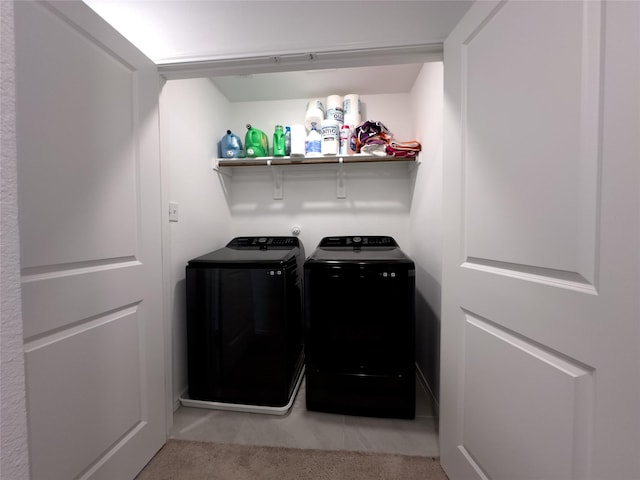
(360, 318)
(242, 334)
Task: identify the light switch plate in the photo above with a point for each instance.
(173, 211)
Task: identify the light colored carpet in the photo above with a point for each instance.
(181, 459)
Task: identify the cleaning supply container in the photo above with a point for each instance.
(313, 144)
(256, 142)
(314, 114)
(230, 145)
(279, 146)
(298, 140)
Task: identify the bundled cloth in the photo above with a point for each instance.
(403, 149)
(374, 138)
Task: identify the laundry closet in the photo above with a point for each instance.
(217, 201)
(540, 218)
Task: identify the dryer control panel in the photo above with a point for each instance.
(363, 241)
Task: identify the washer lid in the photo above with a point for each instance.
(358, 250)
(253, 250)
(264, 243)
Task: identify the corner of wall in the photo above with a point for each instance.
(193, 114)
(426, 219)
(14, 458)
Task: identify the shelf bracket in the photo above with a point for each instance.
(341, 189)
(278, 180)
(215, 166)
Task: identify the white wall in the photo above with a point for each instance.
(426, 219)
(215, 208)
(377, 200)
(14, 460)
(192, 119)
(377, 203)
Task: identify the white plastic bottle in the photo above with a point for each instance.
(314, 114)
(345, 139)
(298, 140)
(313, 143)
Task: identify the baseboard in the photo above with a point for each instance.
(176, 401)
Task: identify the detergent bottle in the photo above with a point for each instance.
(230, 145)
(279, 147)
(256, 142)
(298, 140)
(313, 143)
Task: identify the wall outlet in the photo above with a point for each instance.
(173, 211)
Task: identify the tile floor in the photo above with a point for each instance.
(300, 428)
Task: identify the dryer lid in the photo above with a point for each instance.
(358, 250)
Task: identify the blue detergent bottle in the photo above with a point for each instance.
(230, 145)
(313, 143)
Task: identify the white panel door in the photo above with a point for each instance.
(541, 276)
(89, 215)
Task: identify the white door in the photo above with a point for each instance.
(541, 279)
(90, 228)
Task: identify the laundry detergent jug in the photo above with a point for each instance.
(230, 145)
(256, 142)
(279, 147)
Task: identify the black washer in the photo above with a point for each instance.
(360, 327)
(244, 321)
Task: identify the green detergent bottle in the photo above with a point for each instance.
(279, 149)
(256, 143)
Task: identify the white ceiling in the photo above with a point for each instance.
(316, 83)
(180, 32)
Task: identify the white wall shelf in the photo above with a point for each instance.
(268, 161)
(223, 165)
